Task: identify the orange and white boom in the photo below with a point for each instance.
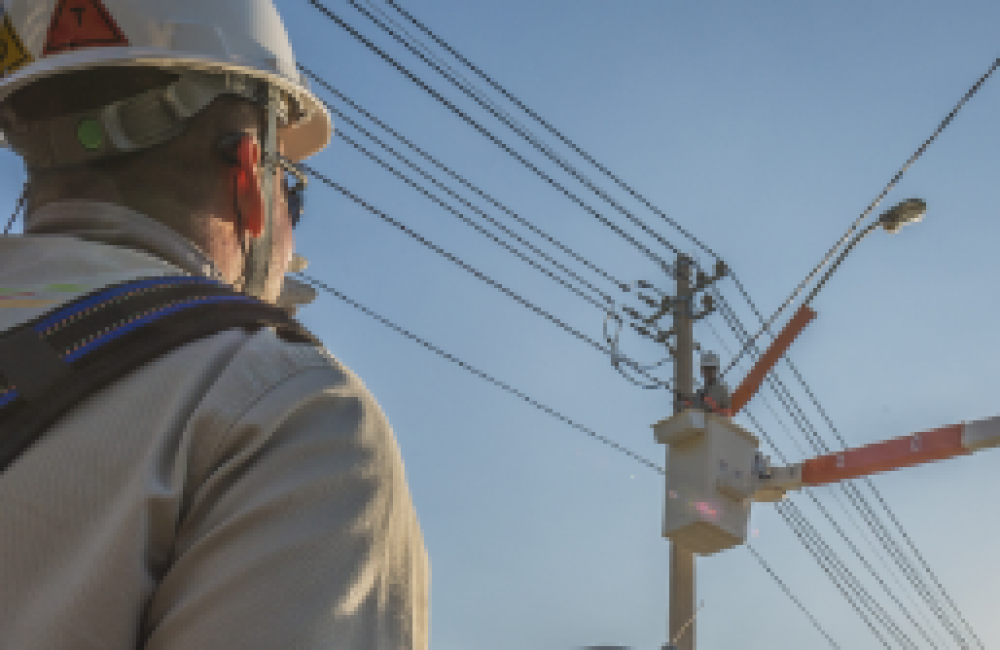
(749, 386)
(914, 449)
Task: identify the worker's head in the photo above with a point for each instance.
(709, 367)
(186, 183)
(172, 120)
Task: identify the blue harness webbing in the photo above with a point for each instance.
(53, 362)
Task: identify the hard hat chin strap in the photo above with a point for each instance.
(140, 122)
(257, 260)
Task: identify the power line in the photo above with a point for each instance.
(465, 182)
(538, 405)
(17, 210)
(410, 75)
(395, 172)
(479, 373)
(877, 527)
(824, 557)
(466, 203)
(852, 492)
(833, 495)
(739, 285)
(515, 126)
(460, 263)
(788, 592)
(888, 510)
(579, 150)
(551, 129)
(454, 259)
(372, 209)
(628, 363)
(828, 554)
(888, 188)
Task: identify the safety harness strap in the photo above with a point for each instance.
(50, 364)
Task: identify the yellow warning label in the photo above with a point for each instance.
(13, 54)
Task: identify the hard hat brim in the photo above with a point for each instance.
(309, 136)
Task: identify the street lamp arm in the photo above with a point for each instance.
(808, 299)
(854, 242)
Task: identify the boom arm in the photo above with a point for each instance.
(914, 449)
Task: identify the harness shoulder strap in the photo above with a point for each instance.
(50, 364)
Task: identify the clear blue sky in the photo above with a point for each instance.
(764, 129)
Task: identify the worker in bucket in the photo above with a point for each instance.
(239, 490)
(714, 395)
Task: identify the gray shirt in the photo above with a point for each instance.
(238, 492)
(718, 393)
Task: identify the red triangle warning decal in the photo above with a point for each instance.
(13, 54)
(78, 24)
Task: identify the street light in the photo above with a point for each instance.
(909, 211)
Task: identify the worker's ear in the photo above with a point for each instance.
(242, 152)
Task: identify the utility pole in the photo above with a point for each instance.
(682, 576)
(680, 626)
(717, 462)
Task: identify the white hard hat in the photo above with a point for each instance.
(710, 360)
(43, 38)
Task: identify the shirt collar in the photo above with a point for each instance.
(117, 225)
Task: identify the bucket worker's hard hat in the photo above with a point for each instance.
(710, 360)
(245, 38)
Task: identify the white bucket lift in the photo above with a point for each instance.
(712, 469)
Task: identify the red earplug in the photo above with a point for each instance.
(248, 185)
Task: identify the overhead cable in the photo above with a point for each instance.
(454, 259)
(888, 510)
(914, 605)
(825, 551)
(482, 375)
(850, 490)
(788, 593)
(839, 575)
(825, 556)
(864, 215)
(736, 280)
(472, 207)
(515, 126)
(579, 150)
(17, 210)
(460, 263)
(461, 179)
(548, 126)
(538, 405)
(403, 177)
(520, 132)
(690, 236)
(485, 132)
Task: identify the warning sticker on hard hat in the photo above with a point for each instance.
(78, 24)
(13, 54)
